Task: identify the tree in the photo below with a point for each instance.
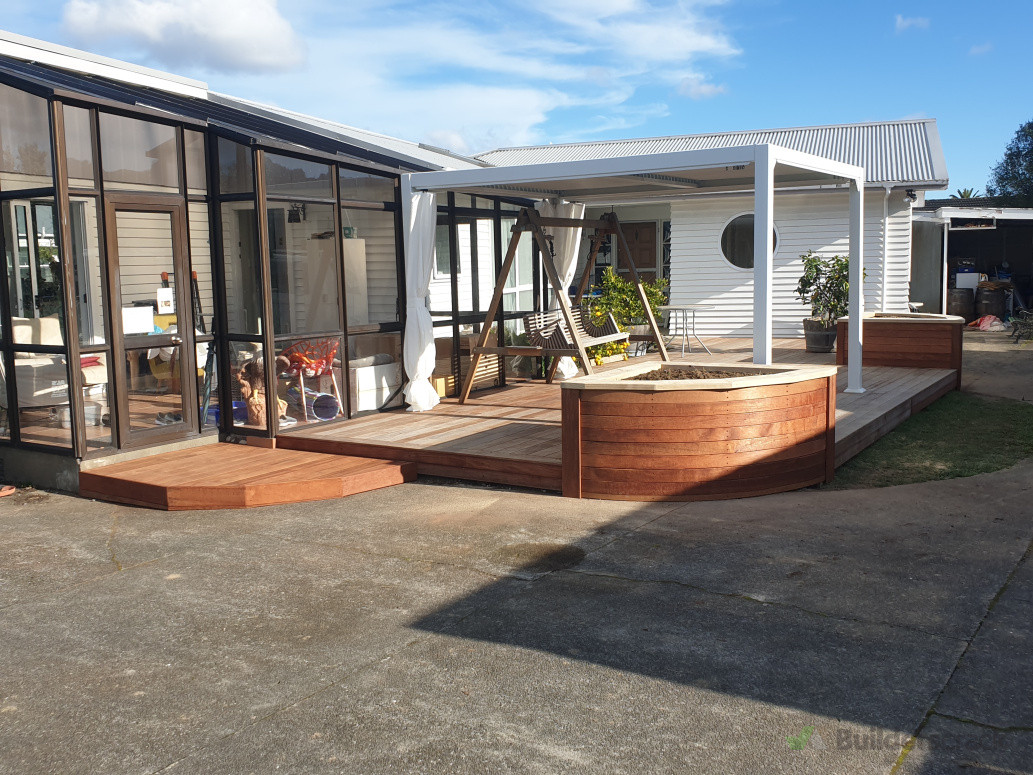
(965, 193)
(1013, 175)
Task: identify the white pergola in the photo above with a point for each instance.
(654, 177)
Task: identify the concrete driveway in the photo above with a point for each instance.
(441, 629)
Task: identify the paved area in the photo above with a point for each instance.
(441, 629)
(431, 628)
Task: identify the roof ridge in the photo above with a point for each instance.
(348, 127)
(583, 143)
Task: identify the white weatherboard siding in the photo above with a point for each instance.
(816, 221)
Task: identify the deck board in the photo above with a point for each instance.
(238, 476)
(513, 435)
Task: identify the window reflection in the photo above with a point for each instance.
(138, 155)
(303, 265)
(370, 266)
(25, 160)
(79, 147)
(287, 176)
(241, 268)
(34, 272)
(235, 168)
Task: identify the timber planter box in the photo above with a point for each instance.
(698, 439)
(908, 340)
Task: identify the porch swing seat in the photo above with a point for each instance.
(549, 332)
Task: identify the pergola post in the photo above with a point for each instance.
(856, 328)
(763, 247)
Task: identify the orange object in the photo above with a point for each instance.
(311, 358)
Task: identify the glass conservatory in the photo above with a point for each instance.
(176, 272)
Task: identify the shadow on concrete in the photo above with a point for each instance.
(820, 613)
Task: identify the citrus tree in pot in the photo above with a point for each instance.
(825, 287)
(618, 296)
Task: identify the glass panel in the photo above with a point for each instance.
(286, 176)
(235, 168)
(464, 200)
(201, 264)
(309, 368)
(485, 240)
(303, 264)
(154, 386)
(468, 255)
(442, 251)
(248, 385)
(375, 371)
(362, 187)
(208, 390)
(89, 277)
(43, 410)
(147, 273)
(25, 160)
(138, 155)
(79, 147)
(96, 393)
(203, 296)
(370, 266)
(519, 293)
(193, 150)
(34, 272)
(5, 414)
(241, 268)
(452, 354)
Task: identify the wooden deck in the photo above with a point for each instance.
(507, 436)
(228, 476)
(513, 435)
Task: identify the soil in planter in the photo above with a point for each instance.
(693, 373)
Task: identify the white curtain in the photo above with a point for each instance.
(566, 243)
(418, 352)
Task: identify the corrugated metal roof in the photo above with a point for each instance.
(906, 152)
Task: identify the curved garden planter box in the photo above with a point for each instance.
(912, 340)
(706, 439)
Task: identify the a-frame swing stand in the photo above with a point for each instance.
(530, 220)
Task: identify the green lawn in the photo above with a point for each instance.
(959, 435)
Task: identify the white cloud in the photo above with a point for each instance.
(907, 22)
(982, 48)
(699, 88)
(216, 35)
(467, 76)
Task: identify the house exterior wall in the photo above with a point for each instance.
(804, 221)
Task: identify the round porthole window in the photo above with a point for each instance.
(737, 241)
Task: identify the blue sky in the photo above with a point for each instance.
(474, 76)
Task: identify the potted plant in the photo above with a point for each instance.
(825, 287)
(620, 297)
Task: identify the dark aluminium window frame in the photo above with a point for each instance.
(261, 198)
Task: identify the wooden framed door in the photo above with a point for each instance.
(153, 347)
(642, 243)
